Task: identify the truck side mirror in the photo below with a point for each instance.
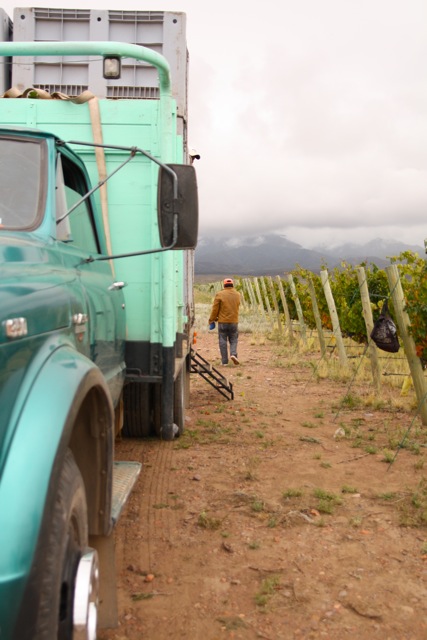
(185, 206)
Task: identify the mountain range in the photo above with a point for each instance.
(274, 254)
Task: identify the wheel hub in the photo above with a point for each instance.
(85, 612)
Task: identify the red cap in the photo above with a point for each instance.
(228, 282)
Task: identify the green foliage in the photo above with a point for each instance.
(414, 507)
(326, 501)
(413, 270)
(348, 489)
(207, 522)
(346, 292)
(268, 588)
(292, 493)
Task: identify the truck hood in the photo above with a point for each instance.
(30, 287)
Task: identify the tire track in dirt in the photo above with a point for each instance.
(160, 517)
(150, 514)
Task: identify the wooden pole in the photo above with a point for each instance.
(267, 302)
(261, 304)
(403, 323)
(251, 293)
(275, 304)
(243, 300)
(369, 323)
(256, 307)
(317, 317)
(285, 309)
(334, 317)
(298, 307)
(248, 301)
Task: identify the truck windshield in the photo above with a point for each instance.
(21, 184)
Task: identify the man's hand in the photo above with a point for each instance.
(211, 326)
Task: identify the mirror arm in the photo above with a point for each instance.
(141, 253)
(132, 153)
(95, 188)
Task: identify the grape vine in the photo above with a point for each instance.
(346, 292)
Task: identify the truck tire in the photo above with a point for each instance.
(136, 410)
(179, 399)
(66, 544)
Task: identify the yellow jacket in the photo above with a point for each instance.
(225, 306)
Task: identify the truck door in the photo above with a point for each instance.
(98, 316)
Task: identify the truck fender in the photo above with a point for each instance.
(67, 406)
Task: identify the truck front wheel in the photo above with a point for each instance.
(69, 585)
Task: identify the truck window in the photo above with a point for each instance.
(22, 182)
(77, 228)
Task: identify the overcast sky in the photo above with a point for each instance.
(310, 116)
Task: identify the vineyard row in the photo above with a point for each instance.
(348, 302)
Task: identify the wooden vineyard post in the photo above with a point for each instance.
(334, 317)
(257, 307)
(285, 309)
(403, 323)
(369, 323)
(298, 307)
(261, 304)
(317, 318)
(267, 302)
(243, 300)
(250, 290)
(276, 306)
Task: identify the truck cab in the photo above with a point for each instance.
(61, 343)
(93, 328)
(45, 250)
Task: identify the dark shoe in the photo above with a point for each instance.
(234, 359)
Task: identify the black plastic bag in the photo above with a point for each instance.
(384, 333)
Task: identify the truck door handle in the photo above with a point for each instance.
(117, 285)
(80, 319)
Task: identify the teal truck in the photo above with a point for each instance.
(98, 221)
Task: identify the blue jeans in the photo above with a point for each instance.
(228, 332)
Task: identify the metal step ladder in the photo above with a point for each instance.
(210, 374)
(125, 474)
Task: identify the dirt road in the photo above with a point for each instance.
(276, 515)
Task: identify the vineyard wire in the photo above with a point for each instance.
(323, 356)
(352, 380)
(401, 443)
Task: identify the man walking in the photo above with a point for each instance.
(225, 311)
